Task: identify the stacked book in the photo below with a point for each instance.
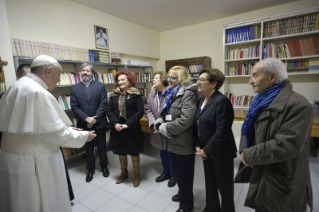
(243, 34)
(115, 58)
(194, 68)
(26, 48)
(240, 69)
(294, 25)
(64, 102)
(243, 53)
(240, 101)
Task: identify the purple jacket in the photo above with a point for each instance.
(152, 113)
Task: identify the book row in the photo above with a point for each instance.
(240, 69)
(243, 34)
(194, 68)
(240, 101)
(294, 25)
(297, 48)
(243, 53)
(98, 56)
(302, 65)
(104, 77)
(26, 48)
(146, 77)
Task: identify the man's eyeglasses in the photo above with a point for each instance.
(201, 80)
(171, 78)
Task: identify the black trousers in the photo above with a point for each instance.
(219, 176)
(70, 189)
(100, 141)
(184, 170)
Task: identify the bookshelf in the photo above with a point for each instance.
(194, 64)
(70, 66)
(292, 38)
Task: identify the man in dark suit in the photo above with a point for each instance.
(89, 102)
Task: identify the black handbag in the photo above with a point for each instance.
(244, 173)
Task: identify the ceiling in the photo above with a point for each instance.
(163, 15)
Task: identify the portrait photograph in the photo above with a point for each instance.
(101, 37)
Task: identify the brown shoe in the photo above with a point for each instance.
(124, 173)
(136, 166)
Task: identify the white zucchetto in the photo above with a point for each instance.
(43, 60)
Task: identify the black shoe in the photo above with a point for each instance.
(89, 176)
(172, 182)
(175, 198)
(182, 210)
(105, 172)
(162, 178)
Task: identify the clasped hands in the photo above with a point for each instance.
(120, 127)
(91, 121)
(91, 136)
(200, 153)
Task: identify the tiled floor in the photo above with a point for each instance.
(103, 194)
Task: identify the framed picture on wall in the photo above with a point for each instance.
(101, 37)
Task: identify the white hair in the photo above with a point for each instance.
(275, 65)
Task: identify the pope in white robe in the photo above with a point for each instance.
(34, 126)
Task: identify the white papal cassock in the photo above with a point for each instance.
(34, 126)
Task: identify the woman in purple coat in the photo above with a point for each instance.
(153, 108)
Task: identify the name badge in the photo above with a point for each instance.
(168, 118)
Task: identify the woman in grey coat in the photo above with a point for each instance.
(176, 123)
(155, 103)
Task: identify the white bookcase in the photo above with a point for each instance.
(305, 82)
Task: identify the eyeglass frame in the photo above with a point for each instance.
(201, 80)
(171, 78)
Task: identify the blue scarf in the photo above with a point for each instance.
(168, 99)
(260, 103)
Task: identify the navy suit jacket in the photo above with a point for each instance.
(84, 107)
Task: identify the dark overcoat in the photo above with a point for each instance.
(130, 140)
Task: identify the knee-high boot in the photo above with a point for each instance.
(136, 166)
(124, 173)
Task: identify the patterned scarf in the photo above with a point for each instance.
(168, 99)
(121, 104)
(260, 103)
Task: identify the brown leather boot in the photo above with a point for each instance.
(136, 166)
(124, 173)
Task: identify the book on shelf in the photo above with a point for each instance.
(243, 53)
(314, 64)
(240, 101)
(243, 34)
(195, 68)
(295, 48)
(67, 79)
(26, 48)
(304, 23)
(240, 69)
(64, 102)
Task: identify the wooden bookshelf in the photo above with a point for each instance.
(204, 62)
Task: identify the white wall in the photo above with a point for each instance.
(206, 39)
(5, 46)
(67, 23)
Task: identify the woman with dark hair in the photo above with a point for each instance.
(125, 109)
(214, 141)
(176, 123)
(155, 103)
